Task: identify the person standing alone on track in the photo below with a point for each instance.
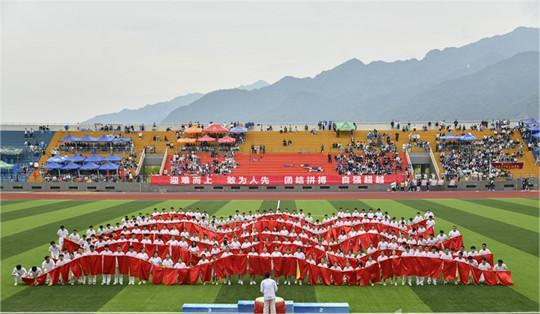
(269, 289)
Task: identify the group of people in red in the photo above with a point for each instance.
(358, 247)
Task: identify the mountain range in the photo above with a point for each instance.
(492, 78)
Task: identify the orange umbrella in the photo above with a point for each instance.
(186, 140)
(193, 130)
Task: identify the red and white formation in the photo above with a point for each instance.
(345, 249)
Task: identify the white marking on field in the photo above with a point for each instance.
(278, 201)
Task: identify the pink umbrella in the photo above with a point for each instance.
(226, 140)
(206, 139)
(215, 128)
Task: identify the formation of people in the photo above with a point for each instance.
(188, 246)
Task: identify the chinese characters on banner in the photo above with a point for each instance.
(276, 180)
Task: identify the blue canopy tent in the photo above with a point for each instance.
(112, 157)
(468, 137)
(121, 140)
(93, 158)
(533, 128)
(56, 159)
(71, 139)
(52, 166)
(88, 138)
(71, 166)
(530, 121)
(104, 138)
(75, 158)
(238, 130)
(89, 166)
(449, 137)
(108, 166)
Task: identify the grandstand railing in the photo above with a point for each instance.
(434, 162)
(163, 162)
(140, 163)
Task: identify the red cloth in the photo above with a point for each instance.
(70, 245)
(109, 264)
(170, 276)
(286, 266)
(258, 265)
(449, 270)
(134, 265)
(326, 275)
(337, 277)
(504, 278)
(157, 274)
(464, 271)
(386, 268)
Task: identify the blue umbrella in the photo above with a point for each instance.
(52, 166)
(108, 166)
(56, 159)
(238, 130)
(71, 166)
(75, 158)
(94, 158)
(89, 166)
(113, 157)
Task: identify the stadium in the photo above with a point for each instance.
(225, 204)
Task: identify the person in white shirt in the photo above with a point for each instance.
(131, 252)
(167, 261)
(433, 254)
(106, 278)
(500, 266)
(180, 264)
(485, 266)
(155, 260)
(142, 255)
(484, 250)
(34, 272)
(90, 231)
(118, 277)
(18, 273)
(454, 232)
(54, 250)
(47, 265)
(407, 252)
(269, 289)
(74, 236)
(62, 233)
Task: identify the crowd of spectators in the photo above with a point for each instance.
(192, 164)
(473, 160)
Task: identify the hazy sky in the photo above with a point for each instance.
(67, 61)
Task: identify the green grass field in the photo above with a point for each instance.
(509, 226)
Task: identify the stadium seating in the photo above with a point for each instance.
(16, 139)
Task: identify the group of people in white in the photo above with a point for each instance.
(295, 234)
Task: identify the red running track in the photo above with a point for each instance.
(264, 195)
